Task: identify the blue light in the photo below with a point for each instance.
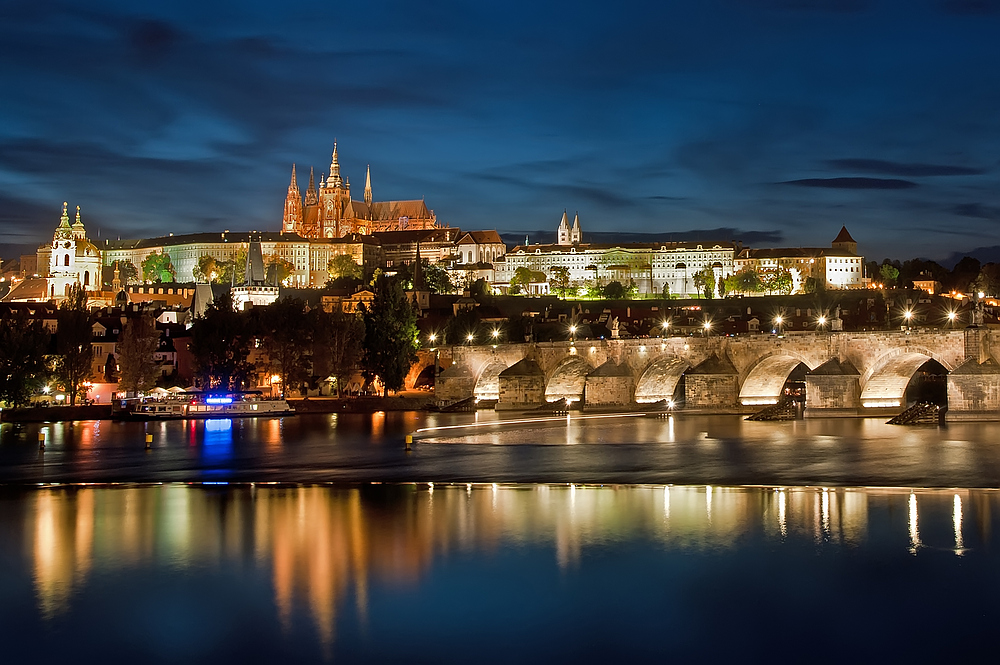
(218, 400)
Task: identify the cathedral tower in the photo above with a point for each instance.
(575, 234)
(332, 199)
(562, 233)
(292, 222)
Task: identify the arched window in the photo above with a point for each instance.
(66, 263)
(86, 278)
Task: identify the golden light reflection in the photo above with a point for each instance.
(782, 524)
(324, 547)
(957, 522)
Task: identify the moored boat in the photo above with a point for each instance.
(201, 406)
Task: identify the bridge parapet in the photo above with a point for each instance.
(868, 352)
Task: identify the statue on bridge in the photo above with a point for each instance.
(613, 327)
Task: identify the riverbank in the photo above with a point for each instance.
(56, 414)
(408, 401)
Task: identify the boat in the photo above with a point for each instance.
(198, 405)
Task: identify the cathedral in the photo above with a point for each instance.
(330, 212)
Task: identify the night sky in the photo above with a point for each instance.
(776, 121)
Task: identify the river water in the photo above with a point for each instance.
(321, 539)
(682, 449)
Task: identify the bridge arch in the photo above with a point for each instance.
(660, 379)
(569, 380)
(766, 381)
(886, 382)
(488, 383)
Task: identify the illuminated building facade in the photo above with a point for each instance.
(651, 266)
(836, 267)
(331, 212)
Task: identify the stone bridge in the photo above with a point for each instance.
(843, 373)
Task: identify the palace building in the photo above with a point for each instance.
(655, 267)
(331, 212)
(836, 267)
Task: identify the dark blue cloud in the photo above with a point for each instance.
(651, 118)
(852, 183)
(882, 166)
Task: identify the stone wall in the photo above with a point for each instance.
(606, 391)
(711, 391)
(832, 393)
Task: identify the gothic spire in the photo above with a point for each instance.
(334, 180)
(311, 192)
(418, 272)
(293, 186)
(368, 185)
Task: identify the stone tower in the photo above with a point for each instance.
(563, 233)
(292, 221)
(845, 242)
(575, 234)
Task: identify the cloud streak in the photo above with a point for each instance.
(852, 183)
(884, 167)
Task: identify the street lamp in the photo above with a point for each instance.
(432, 338)
(666, 326)
(707, 326)
(470, 337)
(778, 320)
(821, 321)
(952, 315)
(907, 315)
(496, 334)
(572, 332)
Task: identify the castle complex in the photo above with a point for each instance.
(330, 212)
(327, 222)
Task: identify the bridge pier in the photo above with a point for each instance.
(522, 386)
(833, 389)
(712, 385)
(610, 385)
(974, 391)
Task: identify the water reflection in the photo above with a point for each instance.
(325, 547)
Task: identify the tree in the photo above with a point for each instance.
(220, 344)
(776, 281)
(234, 271)
(344, 266)
(339, 339)
(704, 281)
(287, 341)
(889, 274)
(390, 345)
(988, 281)
(480, 288)
(523, 277)
(744, 282)
(127, 272)
(157, 268)
(559, 281)
(964, 274)
(814, 285)
(136, 348)
(437, 278)
(23, 370)
(282, 267)
(208, 269)
(614, 291)
(73, 348)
